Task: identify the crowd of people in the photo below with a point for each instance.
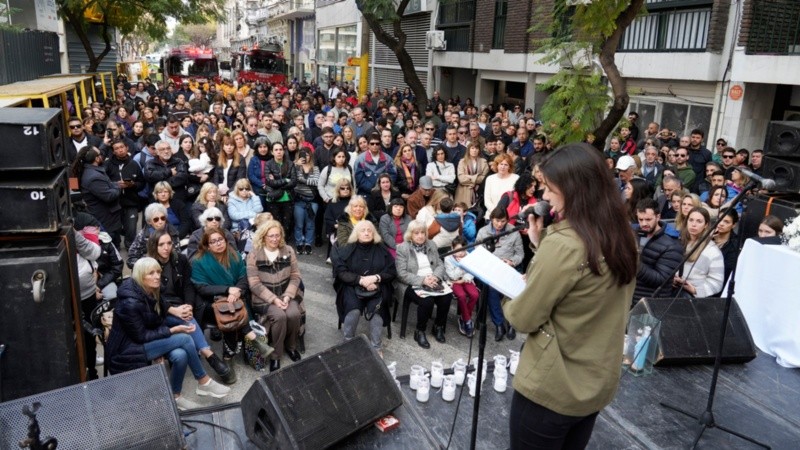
(232, 185)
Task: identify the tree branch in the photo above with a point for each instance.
(619, 86)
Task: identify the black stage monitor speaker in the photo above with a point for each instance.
(38, 313)
(783, 139)
(320, 400)
(785, 172)
(32, 139)
(785, 205)
(132, 410)
(689, 332)
(34, 201)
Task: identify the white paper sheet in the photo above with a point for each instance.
(494, 272)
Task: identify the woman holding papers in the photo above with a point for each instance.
(574, 307)
(509, 249)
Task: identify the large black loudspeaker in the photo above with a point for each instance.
(320, 400)
(34, 201)
(32, 139)
(785, 172)
(132, 410)
(39, 314)
(785, 205)
(783, 140)
(689, 332)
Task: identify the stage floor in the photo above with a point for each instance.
(759, 399)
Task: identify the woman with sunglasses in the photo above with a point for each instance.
(155, 216)
(177, 213)
(219, 272)
(211, 219)
(243, 206)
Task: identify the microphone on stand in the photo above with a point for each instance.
(766, 183)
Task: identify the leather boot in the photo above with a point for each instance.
(419, 336)
(438, 333)
(225, 371)
(500, 332)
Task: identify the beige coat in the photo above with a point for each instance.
(466, 182)
(575, 323)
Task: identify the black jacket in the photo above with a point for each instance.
(234, 174)
(127, 169)
(354, 260)
(156, 170)
(658, 260)
(176, 282)
(135, 323)
(102, 197)
(109, 264)
(376, 205)
(280, 179)
(72, 151)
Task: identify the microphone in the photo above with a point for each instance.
(540, 209)
(766, 183)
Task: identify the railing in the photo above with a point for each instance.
(672, 31)
(458, 38)
(775, 28)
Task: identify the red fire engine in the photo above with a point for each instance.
(188, 61)
(263, 63)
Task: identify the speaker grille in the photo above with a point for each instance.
(783, 139)
(132, 410)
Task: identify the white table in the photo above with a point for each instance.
(768, 293)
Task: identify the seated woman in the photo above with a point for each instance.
(178, 293)
(208, 198)
(509, 249)
(176, 210)
(363, 272)
(419, 266)
(355, 212)
(243, 206)
(393, 225)
(702, 274)
(727, 239)
(441, 171)
(274, 279)
(155, 216)
(770, 230)
(717, 200)
(212, 219)
(688, 203)
(333, 210)
(218, 272)
(139, 334)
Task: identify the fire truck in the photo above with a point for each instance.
(264, 63)
(188, 61)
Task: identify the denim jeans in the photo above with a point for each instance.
(303, 224)
(495, 309)
(181, 352)
(197, 335)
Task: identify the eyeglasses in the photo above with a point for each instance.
(462, 132)
(727, 156)
(374, 144)
(720, 144)
(244, 189)
(75, 127)
(428, 129)
(159, 219)
(681, 155)
(344, 188)
(216, 241)
(213, 219)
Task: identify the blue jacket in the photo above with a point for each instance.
(367, 171)
(135, 323)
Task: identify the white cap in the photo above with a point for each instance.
(625, 162)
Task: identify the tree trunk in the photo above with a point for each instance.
(618, 84)
(397, 44)
(74, 19)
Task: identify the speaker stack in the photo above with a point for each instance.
(40, 335)
(782, 155)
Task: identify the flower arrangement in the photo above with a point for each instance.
(791, 234)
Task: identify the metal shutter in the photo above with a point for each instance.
(415, 28)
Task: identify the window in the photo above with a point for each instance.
(680, 117)
(500, 12)
(670, 25)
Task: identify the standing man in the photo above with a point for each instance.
(756, 161)
(372, 163)
(79, 139)
(452, 148)
(128, 176)
(685, 171)
(660, 250)
(698, 154)
(172, 133)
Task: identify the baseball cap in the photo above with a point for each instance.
(426, 182)
(625, 162)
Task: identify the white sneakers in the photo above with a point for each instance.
(184, 403)
(212, 389)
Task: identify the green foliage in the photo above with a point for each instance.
(383, 10)
(6, 13)
(578, 97)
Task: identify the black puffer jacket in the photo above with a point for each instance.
(135, 323)
(658, 260)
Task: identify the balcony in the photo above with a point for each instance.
(291, 9)
(670, 26)
(775, 28)
(255, 16)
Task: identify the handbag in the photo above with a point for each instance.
(363, 294)
(229, 316)
(450, 187)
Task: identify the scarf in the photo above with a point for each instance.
(207, 270)
(410, 169)
(419, 248)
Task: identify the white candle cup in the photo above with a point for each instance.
(448, 388)
(500, 382)
(417, 372)
(471, 383)
(423, 390)
(459, 371)
(393, 369)
(513, 362)
(485, 367)
(437, 374)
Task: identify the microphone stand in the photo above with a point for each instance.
(706, 418)
(489, 242)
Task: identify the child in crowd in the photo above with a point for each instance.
(464, 288)
(469, 228)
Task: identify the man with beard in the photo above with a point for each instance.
(78, 139)
(124, 171)
(659, 248)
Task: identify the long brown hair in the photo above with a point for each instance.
(594, 207)
(202, 249)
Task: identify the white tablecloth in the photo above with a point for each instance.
(768, 293)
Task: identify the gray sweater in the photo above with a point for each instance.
(508, 247)
(407, 266)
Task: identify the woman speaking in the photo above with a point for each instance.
(575, 304)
